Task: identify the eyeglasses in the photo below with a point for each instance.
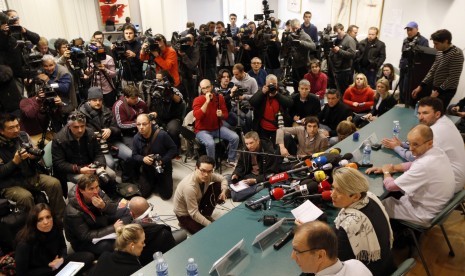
(77, 117)
(205, 87)
(256, 63)
(206, 171)
(415, 145)
(142, 124)
(297, 252)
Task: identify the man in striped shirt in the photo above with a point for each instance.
(445, 73)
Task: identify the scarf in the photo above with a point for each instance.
(83, 205)
(360, 231)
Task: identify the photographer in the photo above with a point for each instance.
(164, 56)
(76, 151)
(42, 47)
(19, 178)
(246, 47)
(128, 53)
(341, 57)
(62, 52)
(302, 45)
(100, 120)
(12, 38)
(153, 149)
(225, 87)
(269, 105)
(189, 55)
(101, 70)
(249, 85)
(10, 96)
(41, 111)
(208, 53)
(167, 106)
(224, 46)
(58, 74)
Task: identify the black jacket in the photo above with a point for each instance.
(158, 237)
(10, 173)
(67, 151)
(162, 145)
(266, 164)
(311, 107)
(343, 60)
(384, 106)
(371, 55)
(258, 101)
(97, 120)
(134, 71)
(80, 227)
(116, 263)
(332, 116)
(302, 51)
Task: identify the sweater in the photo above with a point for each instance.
(209, 121)
(446, 70)
(364, 95)
(318, 83)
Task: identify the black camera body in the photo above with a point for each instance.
(100, 171)
(50, 93)
(326, 39)
(120, 49)
(31, 150)
(157, 163)
(96, 53)
(153, 45)
(102, 142)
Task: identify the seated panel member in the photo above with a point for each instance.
(310, 140)
(314, 249)
(427, 183)
(190, 192)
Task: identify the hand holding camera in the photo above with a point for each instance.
(157, 163)
(106, 132)
(20, 155)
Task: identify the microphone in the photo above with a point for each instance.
(285, 175)
(325, 196)
(324, 186)
(335, 150)
(274, 194)
(352, 165)
(318, 176)
(302, 190)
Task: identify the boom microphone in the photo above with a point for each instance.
(275, 194)
(285, 175)
(325, 196)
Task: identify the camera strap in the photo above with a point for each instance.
(149, 145)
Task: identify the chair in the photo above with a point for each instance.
(439, 219)
(404, 267)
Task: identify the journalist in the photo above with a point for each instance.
(188, 56)
(127, 51)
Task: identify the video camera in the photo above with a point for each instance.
(266, 12)
(161, 90)
(120, 49)
(96, 53)
(153, 45)
(326, 39)
(14, 29)
(180, 43)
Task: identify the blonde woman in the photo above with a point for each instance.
(384, 100)
(130, 240)
(359, 96)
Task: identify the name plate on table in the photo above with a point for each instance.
(231, 262)
(269, 235)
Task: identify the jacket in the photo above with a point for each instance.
(34, 120)
(266, 164)
(343, 60)
(318, 83)
(371, 55)
(167, 60)
(408, 45)
(311, 107)
(158, 237)
(134, 72)
(66, 89)
(384, 106)
(126, 115)
(79, 225)
(117, 263)
(66, 151)
(332, 116)
(162, 145)
(302, 51)
(258, 101)
(97, 120)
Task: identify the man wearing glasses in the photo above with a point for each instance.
(153, 149)
(76, 151)
(427, 183)
(209, 112)
(201, 186)
(314, 249)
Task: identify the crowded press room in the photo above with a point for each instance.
(232, 137)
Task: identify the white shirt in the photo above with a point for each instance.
(347, 268)
(428, 185)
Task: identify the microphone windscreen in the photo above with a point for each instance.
(324, 186)
(312, 185)
(277, 193)
(352, 165)
(319, 176)
(315, 155)
(278, 177)
(321, 160)
(348, 156)
(327, 167)
(343, 162)
(335, 150)
(326, 195)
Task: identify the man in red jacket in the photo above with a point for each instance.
(209, 112)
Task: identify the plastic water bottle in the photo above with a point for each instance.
(396, 129)
(416, 109)
(192, 269)
(160, 264)
(366, 154)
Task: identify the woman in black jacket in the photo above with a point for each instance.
(384, 101)
(130, 240)
(41, 248)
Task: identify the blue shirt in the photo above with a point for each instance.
(260, 77)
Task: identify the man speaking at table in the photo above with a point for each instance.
(427, 183)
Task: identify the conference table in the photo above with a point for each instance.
(214, 241)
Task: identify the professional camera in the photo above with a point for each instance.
(96, 53)
(100, 171)
(120, 49)
(32, 62)
(14, 29)
(272, 89)
(266, 12)
(103, 142)
(31, 150)
(48, 102)
(239, 92)
(204, 39)
(326, 39)
(157, 164)
(153, 45)
(180, 43)
(77, 55)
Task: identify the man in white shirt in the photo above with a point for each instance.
(314, 249)
(427, 183)
(446, 137)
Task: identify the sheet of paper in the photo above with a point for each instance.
(71, 269)
(111, 236)
(306, 212)
(239, 186)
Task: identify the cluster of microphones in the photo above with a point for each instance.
(315, 179)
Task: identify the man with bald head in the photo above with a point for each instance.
(158, 237)
(315, 250)
(427, 183)
(209, 111)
